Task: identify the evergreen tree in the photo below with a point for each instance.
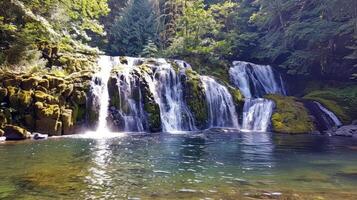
(135, 26)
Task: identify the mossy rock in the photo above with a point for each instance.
(341, 101)
(238, 98)
(194, 95)
(2, 132)
(54, 82)
(79, 97)
(47, 111)
(29, 83)
(151, 108)
(45, 98)
(14, 82)
(114, 93)
(21, 99)
(78, 113)
(3, 94)
(29, 121)
(290, 116)
(44, 83)
(15, 133)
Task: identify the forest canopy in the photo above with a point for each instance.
(304, 38)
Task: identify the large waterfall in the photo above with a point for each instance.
(100, 94)
(222, 112)
(255, 81)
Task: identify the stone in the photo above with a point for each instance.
(79, 97)
(15, 133)
(22, 99)
(30, 83)
(347, 131)
(2, 132)
(67, 91)
(46, 98)
(49, 126)
(44, 83)
(39, 136)
(47, 111)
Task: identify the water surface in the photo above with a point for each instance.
(205, 165)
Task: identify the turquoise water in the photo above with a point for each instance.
(206, 165)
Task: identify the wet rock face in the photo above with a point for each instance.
(194, 95)
(45, 104)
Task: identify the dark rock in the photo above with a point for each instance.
(38, 136)
(347, 131)
(15, 133)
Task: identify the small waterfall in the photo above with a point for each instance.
(255, 81)
(100, 91)
(168, 93)
(130, 101)
(256, 114)
(329, 118)
(222, 111)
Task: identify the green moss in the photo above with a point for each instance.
(290, 116)
(44, 97)
(238, 98)
(20, 99)
(194, 95)
(29, 83)
(151, 108)
(341, 101)
(47, 111)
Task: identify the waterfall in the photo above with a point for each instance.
(222, 111)
(329, 118)
(256, 114)
(100, 92)
(130, 100)
(255, 81)
(168, 93)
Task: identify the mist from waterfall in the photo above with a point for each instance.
(222, 111)
(255, 81)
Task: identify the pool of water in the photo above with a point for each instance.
(214, 164)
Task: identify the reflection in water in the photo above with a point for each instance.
(209, 165)
(257, 151)
(99, 179)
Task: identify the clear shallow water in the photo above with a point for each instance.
(210, 165)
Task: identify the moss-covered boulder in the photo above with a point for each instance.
(21, 99)
(29, 83)
(12, 132)
(41, 96)
(47, 111)
(238, 98)
(341, 101)
(194, 95)
(290, 116)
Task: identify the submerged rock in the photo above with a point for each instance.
(347, 131)
(39, 136)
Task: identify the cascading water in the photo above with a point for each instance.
(254, 81)
(168, 93)
(100, 97)
(130, 100)
(222, 111)
(329, 118)
(256, 114)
